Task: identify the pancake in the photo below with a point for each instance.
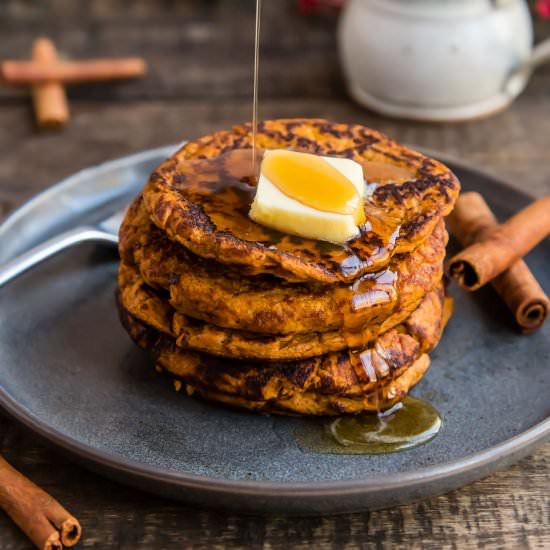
(205, 290)
(146, 305)
(200, 198)
(331, 384)
(316, 404)
(280, 390)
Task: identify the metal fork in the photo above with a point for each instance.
(105, 231)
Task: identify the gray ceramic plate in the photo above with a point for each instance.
(69, 372)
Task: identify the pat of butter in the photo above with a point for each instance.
(273, 208)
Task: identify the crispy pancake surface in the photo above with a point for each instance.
(320, 385)
(200, 197)
(146, 305)
(316, 404)
(204, 290)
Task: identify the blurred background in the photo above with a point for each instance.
(199, 54)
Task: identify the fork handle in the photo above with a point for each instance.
(12, 269)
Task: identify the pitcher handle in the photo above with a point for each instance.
(517, 80)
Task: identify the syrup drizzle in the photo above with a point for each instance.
(256, 83)
(373, 289)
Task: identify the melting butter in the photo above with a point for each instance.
(310, 196)
(313, 181)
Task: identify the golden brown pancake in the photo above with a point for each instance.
(206, 290)
(329, 384)
(200, 197)
(146, 305)
(310, 402)
(317, 404)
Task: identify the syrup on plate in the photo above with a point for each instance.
(410, 423)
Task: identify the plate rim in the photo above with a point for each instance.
(526, 440)
(509, 447)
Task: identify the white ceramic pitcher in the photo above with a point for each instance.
(440, 60)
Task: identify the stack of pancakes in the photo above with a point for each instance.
(247, 316)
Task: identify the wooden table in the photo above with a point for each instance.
(200, 55)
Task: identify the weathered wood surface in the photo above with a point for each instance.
(200, 54)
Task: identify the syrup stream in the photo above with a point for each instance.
(256, 82)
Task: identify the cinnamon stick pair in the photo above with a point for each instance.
(47, 75)
(40, 517)
(493, 254)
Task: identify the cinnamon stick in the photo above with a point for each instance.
(50, 101)
(40, 517)
(70, 72)
(495, 250)
(473, 221)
